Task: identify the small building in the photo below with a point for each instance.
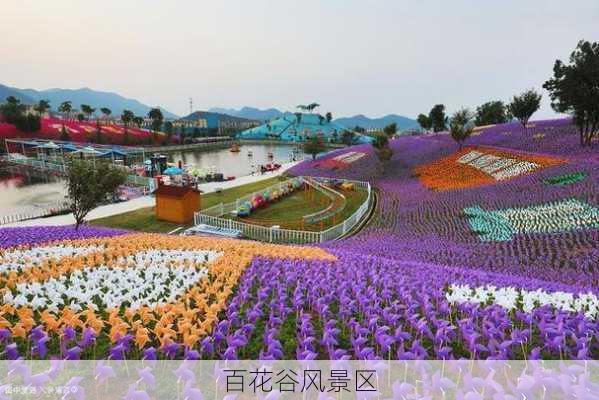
(176, 203)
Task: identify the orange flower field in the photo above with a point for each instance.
(477, 166)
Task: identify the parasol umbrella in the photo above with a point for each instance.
(173, 171)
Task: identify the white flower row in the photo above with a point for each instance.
(349, 157)
(499, 164)
(552, 217)
(499, 168)
(17, 260)
(157, 277)
(484, 160)
(471, 155)
(517, 169)
(512, 298)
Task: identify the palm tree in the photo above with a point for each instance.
(127, 117)
(106, 111)
(41, 107)
(310, 107)
(65, 108)
(138, 121)
(87, 110)
(156, 116)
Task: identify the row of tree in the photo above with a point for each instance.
(16, 113)
(574, 89)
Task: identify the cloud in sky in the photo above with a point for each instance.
(371, 57)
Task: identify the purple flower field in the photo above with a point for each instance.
(387, 295)
(418, 282)
(13, 237)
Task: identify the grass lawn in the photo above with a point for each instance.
(288, 212)
(145, 220)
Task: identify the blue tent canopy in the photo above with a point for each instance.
(173, 171)
(69, 147)
(113, 153)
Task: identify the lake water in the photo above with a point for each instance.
(237, 164)
(25, 191)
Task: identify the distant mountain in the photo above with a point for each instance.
(250, 113)
(6, 91)
(94, 98)
(403, 123)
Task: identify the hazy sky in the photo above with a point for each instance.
(370, 57)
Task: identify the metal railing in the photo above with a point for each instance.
(131, 179)
(48, 210)
(212, 216)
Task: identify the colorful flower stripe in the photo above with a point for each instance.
(134, 291)
(478, 166)
(14, 237)
(566, 179)
(513, 298)
(363, 307)
(78, 131)
(562, 216)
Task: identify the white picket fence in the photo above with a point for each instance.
(49, 209)
(212, 216)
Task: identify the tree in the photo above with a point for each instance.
(12, 110)
(298, 117)
(359, 129)
(313, 146)
(41, 107)
(64, 135)
(169, 130)
(425, 122)
(312, 106)
(88, 186)
(65, 108)
(491, 112)
(138, 121)
(106, 111)
(390, 130)
(382, 149)
(438, 118)
(574, 89)
(80, 117)
(329, 117)
(460, 127)
(126, 118)
(157, 118)
(347, 137)
(524, 106)
(87, 110)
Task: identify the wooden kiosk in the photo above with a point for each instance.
(176, 203)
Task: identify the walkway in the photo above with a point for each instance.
(146, 201)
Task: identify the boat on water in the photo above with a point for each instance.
(235, 148)
(250, 154)
(270, 155)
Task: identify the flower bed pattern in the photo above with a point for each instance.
(478, 166)
(136, 293)
(566, 179)
(563, 216)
